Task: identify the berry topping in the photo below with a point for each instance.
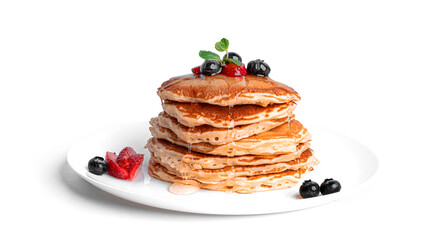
(232, 55)
(210, 67)
(309, 189)
(330, 186)
(97, 166)
(234, 70)
(123, 158)
(258, 67)
(196, 70)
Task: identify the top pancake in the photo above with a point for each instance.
(226, 91)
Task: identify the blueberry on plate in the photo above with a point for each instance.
(330, 186)
(233, 55)
(97, 166)
(309, 189)
(258, 67)
(210, 67)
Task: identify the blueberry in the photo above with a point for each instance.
(97, 166)
(210, 67)
(233, 55)
(258, 67)
(309, 189)
(330, 186)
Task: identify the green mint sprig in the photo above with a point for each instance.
(221, 46)
(209, 55)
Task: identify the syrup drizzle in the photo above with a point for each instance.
(183, 189)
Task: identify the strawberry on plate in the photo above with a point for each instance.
(114, 169)
(110, 156)
(134, 164)
(123, 158)
(126, 165)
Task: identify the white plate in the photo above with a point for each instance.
(340, 158)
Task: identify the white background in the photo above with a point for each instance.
(68, 68)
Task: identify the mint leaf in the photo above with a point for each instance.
(209, 55)
(222, 45)
(225, 42)
(229, 60)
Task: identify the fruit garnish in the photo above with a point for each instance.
(255, 67)
(134, 164)
(134, 159)
(221, 46)
(110, 156)
(234, 70)
(97, 165)
(309, 189)
(123, 158)
(210, 67)
(330, 186)
(196, 70)
(258, 67)
(126, 165)
(116, 171)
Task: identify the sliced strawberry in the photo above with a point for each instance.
(135, 159)
(196, 70)
(234, 70)
(123, 158)
(126, 165)
(134, 165)
(116, 171)
(110, 156)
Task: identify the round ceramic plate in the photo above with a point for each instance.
(340, 158)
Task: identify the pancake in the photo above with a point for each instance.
(226, 91)
(184, 161)
(280, 140)
(249, 184)
(197, 114)
(213, 176)
(216, 136)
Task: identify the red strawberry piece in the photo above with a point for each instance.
(110, 156)
(134, 165)
(196, 70)
(115, 170)
(134, 159)
(134, 171)
(234, 70)
(123, 158)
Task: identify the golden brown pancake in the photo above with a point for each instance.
(280, 140)
(250, 184)
(232, 134)
(213, 176)
(226, 91)
(185, 161)
(197, 114)
(217, 136)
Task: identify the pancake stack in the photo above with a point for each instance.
(232, 134)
